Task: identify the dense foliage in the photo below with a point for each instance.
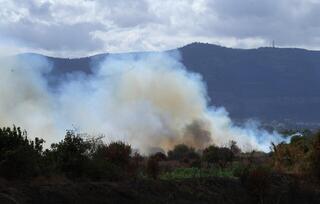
(182, 152)
(218, 155)
(77, 157)
(301, 156)
(19, 156)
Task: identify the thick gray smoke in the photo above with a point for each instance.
(24, 97)
(145, 100)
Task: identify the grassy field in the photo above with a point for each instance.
(192, 172)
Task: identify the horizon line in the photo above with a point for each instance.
(167, 50)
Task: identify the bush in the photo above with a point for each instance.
(315, 156)
(111, 161)
(182, 152)
(239, 170)
(159, 156)
(218, 155)
(235, 149)
(293, 157)
(257, 181)
(135, 166)
(19, 156)
(153, 169)
(101, 169)
(117, 153)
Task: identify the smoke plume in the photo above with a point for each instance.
(147, 100)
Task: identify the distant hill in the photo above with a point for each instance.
(265, 83)
(269, 84)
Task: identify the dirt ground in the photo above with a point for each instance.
(213, 190)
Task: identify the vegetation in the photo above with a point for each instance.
(19, 156)
(152, 169)
(77, 158)
(300, 157)
(218, 155)
(70, 156)
(182, 152)
(193, 173)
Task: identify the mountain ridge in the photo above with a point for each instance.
(268, 84)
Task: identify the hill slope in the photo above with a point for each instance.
(265, 83)
(268, 84)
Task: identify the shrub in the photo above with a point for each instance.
(239, 170)
(235, 149)
(153, 169)
(315, 156)
(135, 166)
(182, 152)
(196, 163)
(218, 155)
(117, 153)
(293, 157)
(19, 156)
(159, 156)
(101, 169)
(257, 181)
(111, 161)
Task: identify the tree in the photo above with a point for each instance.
(70, 156)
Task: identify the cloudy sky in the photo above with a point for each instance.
(83, 27)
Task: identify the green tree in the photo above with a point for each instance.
(70, 156)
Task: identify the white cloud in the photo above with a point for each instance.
(81, 27)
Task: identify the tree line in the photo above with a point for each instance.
(78, 158)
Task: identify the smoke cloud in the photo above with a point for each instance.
(147, 100)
